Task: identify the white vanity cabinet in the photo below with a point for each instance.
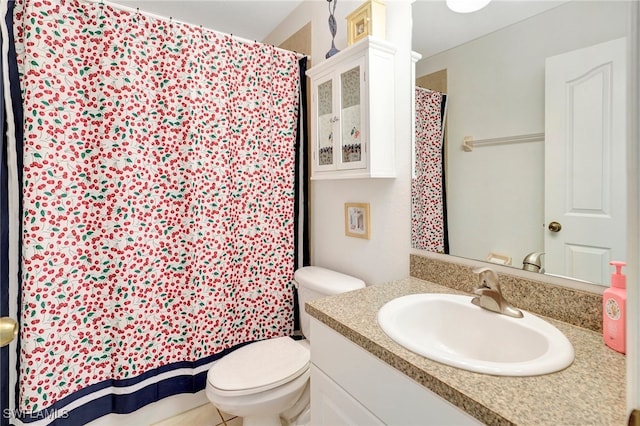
(350, 386)
(352, 112)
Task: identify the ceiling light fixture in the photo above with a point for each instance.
(466, 6)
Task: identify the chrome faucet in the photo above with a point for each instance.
(489, 294)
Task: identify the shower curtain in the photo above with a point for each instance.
(428, 195)
(159, 212)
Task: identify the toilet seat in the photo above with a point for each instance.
(259, 366)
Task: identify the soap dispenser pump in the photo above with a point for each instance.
(614, 310)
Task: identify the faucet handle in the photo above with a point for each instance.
(490, 296)
(487, 278)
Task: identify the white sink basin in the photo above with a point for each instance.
(449, 329)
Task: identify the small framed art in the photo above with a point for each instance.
(356, 220)
(367, 19)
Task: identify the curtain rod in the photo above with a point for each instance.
(429, 90)
(171, 19)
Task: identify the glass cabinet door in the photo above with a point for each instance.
(350, 116)
(326, 120)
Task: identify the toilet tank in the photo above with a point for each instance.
(314, 282)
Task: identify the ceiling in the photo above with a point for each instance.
(435, 27)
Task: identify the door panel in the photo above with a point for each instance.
(585, 166)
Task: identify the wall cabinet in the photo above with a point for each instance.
(353, 113)
(350, 386)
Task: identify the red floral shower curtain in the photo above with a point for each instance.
(158, 198)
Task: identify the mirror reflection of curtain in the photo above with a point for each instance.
(428, 200)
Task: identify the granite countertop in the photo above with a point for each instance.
(589, 392)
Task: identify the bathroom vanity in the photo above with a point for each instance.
(350, 386)
(361, 376)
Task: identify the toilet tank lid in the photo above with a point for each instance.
(326, 281)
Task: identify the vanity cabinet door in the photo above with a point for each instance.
(333, 406)
(348, 382)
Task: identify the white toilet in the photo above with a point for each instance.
(265, 380)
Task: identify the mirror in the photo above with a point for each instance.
(495, 83)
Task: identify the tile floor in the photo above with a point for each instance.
(205, 415)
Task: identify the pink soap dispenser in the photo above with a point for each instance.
(614, 310)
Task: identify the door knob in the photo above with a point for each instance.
(8, 330)
(555, 226)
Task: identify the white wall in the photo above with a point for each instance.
(385, 256)
(496, 89)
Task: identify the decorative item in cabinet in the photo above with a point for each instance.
(353, 110)
(367, 19)
(333, 28)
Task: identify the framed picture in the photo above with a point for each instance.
(368, 19)
(356, 220)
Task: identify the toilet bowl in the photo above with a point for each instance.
(243, 385)
(269, 379)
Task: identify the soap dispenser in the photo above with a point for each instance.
(614, 310)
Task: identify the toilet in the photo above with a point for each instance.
(269, 379)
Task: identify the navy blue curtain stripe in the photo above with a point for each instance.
(4, 250)
(16, 105)
(8, 61)
(443, 112)
(301, 188)
(304, 153)
(16, 97)
(301, 184)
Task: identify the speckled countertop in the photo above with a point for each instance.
(589, 392)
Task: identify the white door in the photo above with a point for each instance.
(585, 166)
